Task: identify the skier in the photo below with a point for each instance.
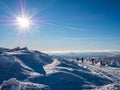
(82, 60)
(101, 63)
(92, 61)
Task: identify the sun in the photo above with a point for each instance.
(23, 23)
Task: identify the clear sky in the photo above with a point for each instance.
(68, 25)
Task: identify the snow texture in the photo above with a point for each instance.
(14, 84)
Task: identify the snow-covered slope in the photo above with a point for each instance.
(82, 75)
(12, 67)
(58, 73)
(22, 63)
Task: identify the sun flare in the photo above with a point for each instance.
(23, 23)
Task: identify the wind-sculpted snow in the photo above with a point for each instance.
(9, 68)
(58, 73)
(22, 63)
(34, 59)
(11, 84)
(14, 84)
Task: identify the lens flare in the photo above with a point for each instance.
(23, 23)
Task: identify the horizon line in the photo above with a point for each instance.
(70, 51)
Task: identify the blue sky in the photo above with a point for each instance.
(63, 25)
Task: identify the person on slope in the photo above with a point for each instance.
(101, 63)
(82, 60)
(93, 60)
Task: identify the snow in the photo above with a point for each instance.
(22, 64)
(33, 86)
(13, 84)
(108, 87)
(113, 73)
(109, 73)
(34, 74)
(51, 68)
(6, 59)
(54, 72)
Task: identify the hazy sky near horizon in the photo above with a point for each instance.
(77, 25)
